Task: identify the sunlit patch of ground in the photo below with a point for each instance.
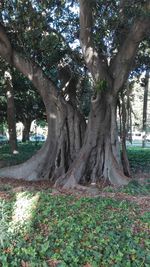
(23, 208)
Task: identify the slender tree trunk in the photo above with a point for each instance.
(26, 129)
(145, 108)
(125, 160)
(129, 114)
(131, 125)
(11, 117)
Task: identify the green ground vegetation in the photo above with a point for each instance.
(41, 228)
(139, 159)
(38, 228)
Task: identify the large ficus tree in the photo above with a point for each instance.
(110, 35)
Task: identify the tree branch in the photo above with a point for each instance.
(123, 61)
(96, 63)
(31, 70)
(5, 45)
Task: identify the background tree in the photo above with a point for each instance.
(3, 102)
(145, 102)
(11, 113)
(25, 97)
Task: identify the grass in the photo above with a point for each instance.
(26, 150)
(42, 229)
(139, 159)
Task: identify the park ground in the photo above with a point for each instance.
(100, 227)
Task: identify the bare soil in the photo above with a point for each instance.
(20, 185)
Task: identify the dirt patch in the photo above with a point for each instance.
(26, 184)
(21, 185)
(5, 196)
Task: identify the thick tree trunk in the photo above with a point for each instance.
(26, 129)
(66, 128)
(11, 116)
(99, 158)
(67, 139)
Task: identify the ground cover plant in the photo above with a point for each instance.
(50, 228)
(41, 226)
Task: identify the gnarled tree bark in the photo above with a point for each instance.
(66, 126)
(99, 158)
(65, 158)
